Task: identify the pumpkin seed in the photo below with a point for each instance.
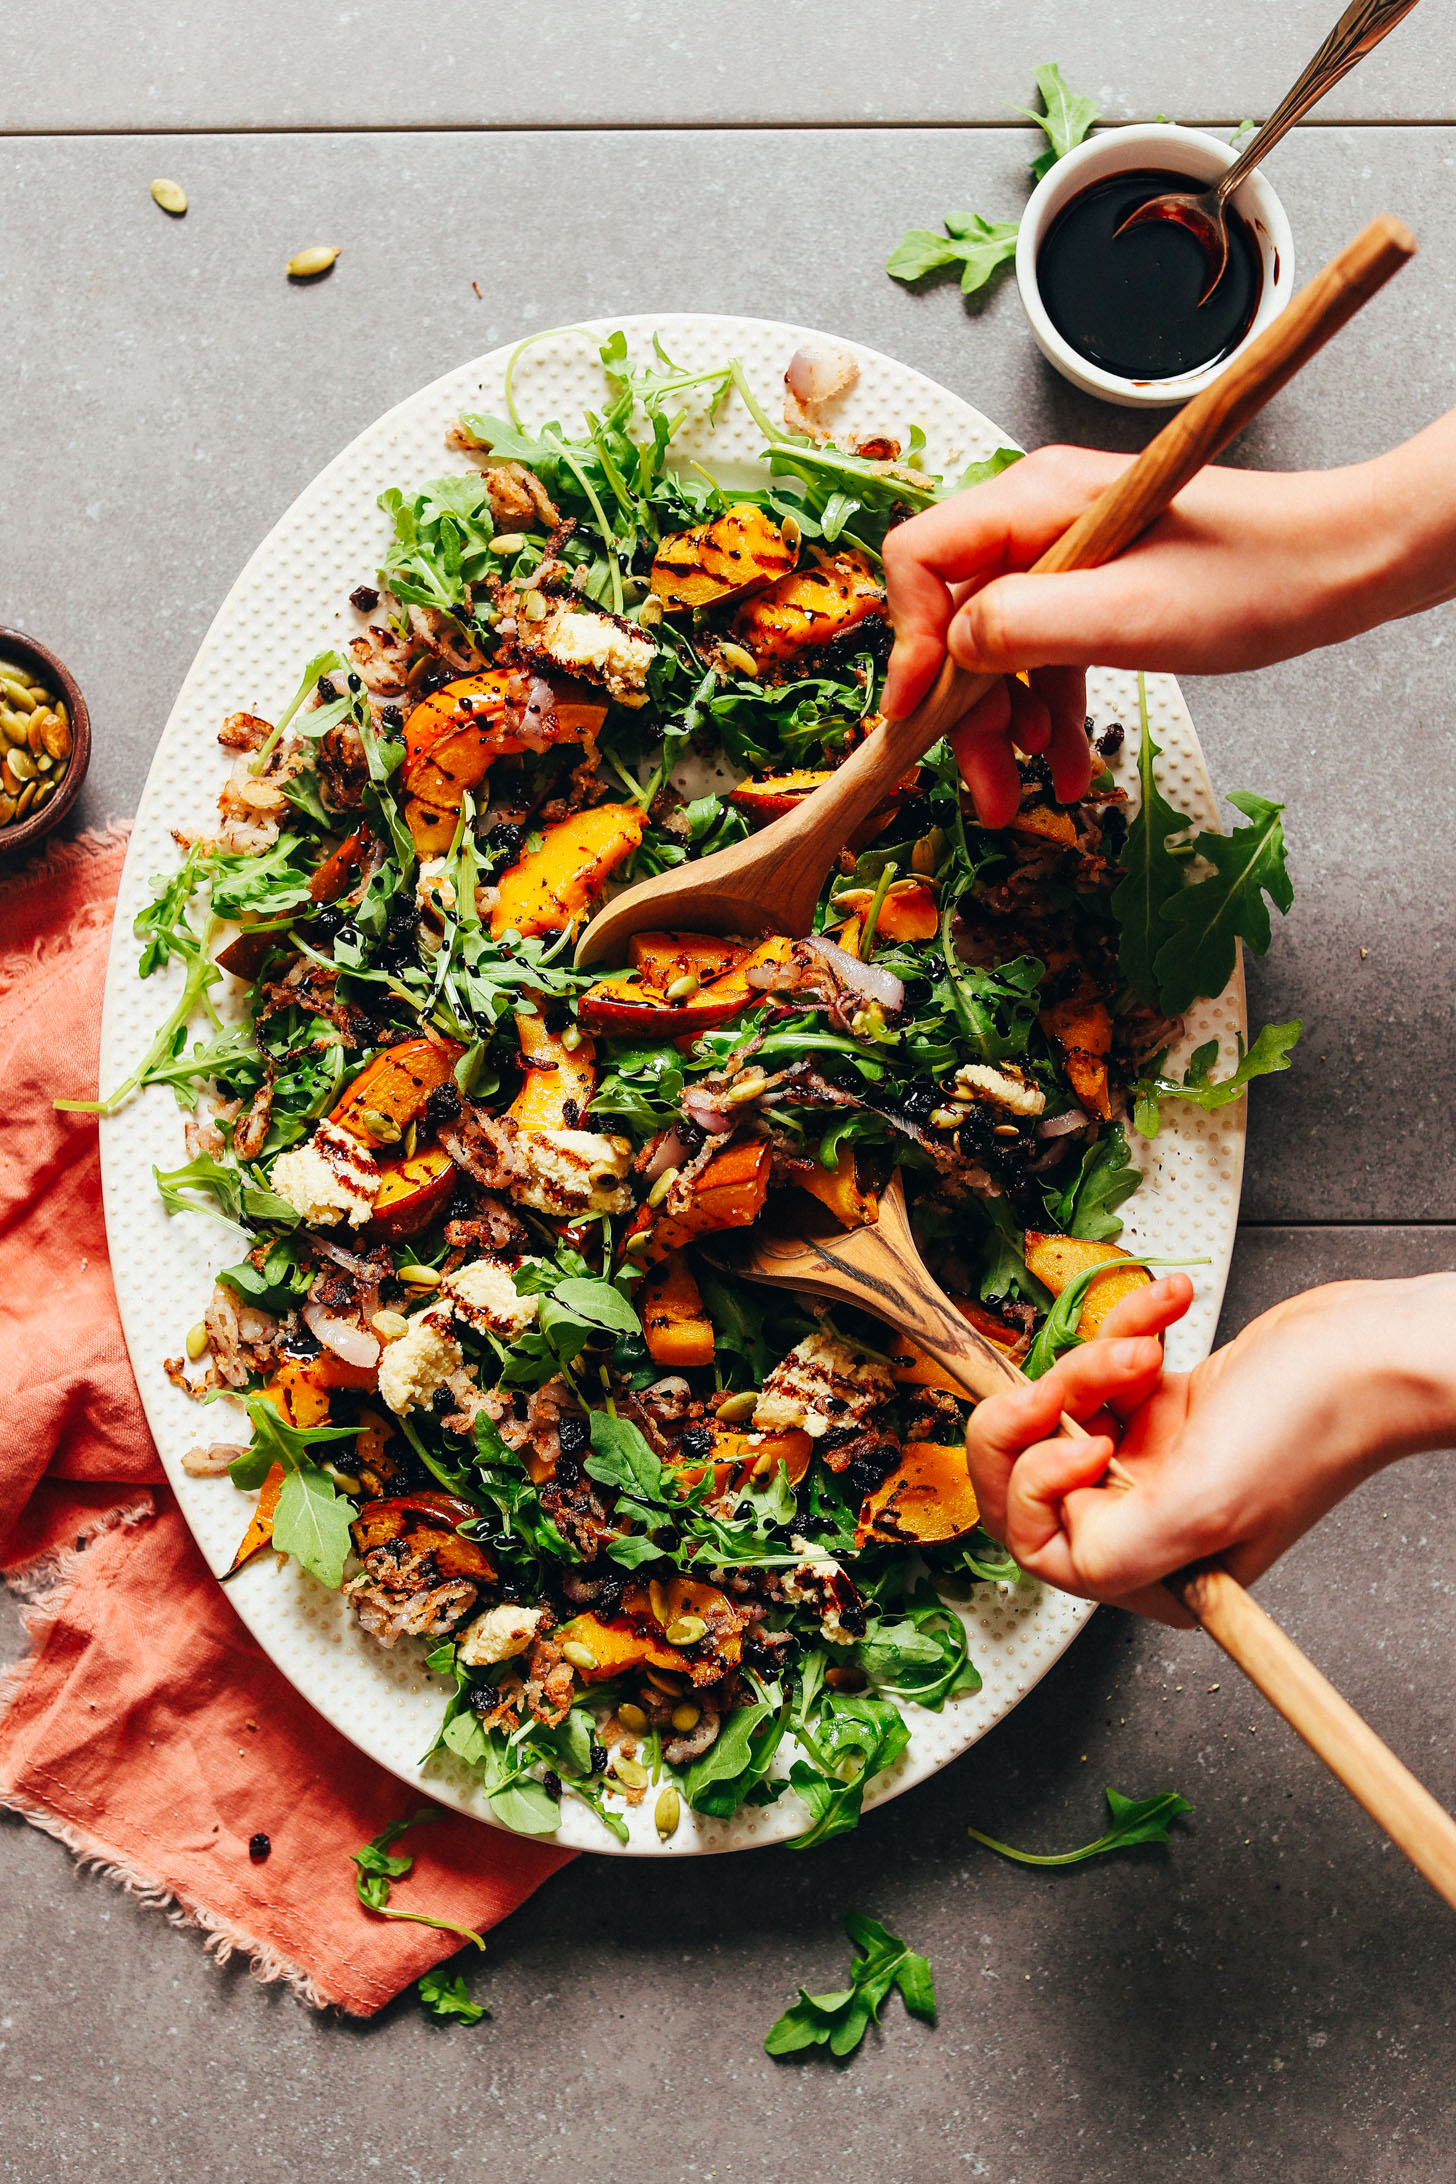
(667, 1813)
(382, 1128)
(44, 763)
(687, 1716)
(649, 614)
(791, 534)
(25, 799)
(571, 1038)
(344, 1480)
(389, 1326)
(745, 1086)
(411, 1141)
(632, 1717)
(740, 657)
(533, 606)
(7, 809)
(636, 1244)
(11, 783)
(580, 1656)
(62, 711)
(737, 1407)
(13, 728)
(16, 692)
(687, 1630)
(509, 542)
(170, 196)
(1005, 1129)
(419, 1277)
(35, 729)
(199, 1341)
(630, 1773)
(662, 1186)
(306, 265)
(683, 989)
(44, 791)
(665, 1683)
(20, 762)
(946, 1118)
(925, 856)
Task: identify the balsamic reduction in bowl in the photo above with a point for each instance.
(1129, 303)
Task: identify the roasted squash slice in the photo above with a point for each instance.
(661, 958)
(728, 1194)
(928, 1498)
(411, 1193)
(1081, 1031)
(768, 799)
(555, 1077)
(396, 1084)
(739, 551)
(259, 1533)
(840, 1188)
(552, 886)
(431, 831)
(636, 1638)
(807, 610)
(739, 1458)
(426, 1524)
(337, 870)
(630, 1007)
(299, 1391)
(1058, 1260)
(677, 1331)
(1046, 822)
(453, 737)
(912, 1367)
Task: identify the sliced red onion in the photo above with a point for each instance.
(866, 978)
(255, 1325)
(671, 1153)
(702, 1108)
(348, 1260)
(819, 371)
(1053, 1126)
(341, 1336)
(539, 715)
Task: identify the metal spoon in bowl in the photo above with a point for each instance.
(1361, 28)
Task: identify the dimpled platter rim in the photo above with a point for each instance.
(289, 603)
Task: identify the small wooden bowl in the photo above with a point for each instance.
(24, 833)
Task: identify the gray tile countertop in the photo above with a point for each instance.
(1269, 1997)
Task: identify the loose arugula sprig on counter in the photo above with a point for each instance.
(840, 2021)
(1135, 1820)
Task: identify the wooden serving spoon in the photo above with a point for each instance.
(880, 1269)
(772, 882)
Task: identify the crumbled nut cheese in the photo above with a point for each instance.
(820, 1583)
(821, 1383)
(1007, 1088)
(498, 1635)
(589, 643)
(574, 1171)
(484, 1296)
(331, 1178)
(411, 1369)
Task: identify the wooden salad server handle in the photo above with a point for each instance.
(879, 1268)
(772, 881)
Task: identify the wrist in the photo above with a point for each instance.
(1407, 561)
(1401, 1383)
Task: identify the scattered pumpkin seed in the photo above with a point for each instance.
(170, 196)
(344, 1480)
(571, 1038)
(649, 614)
(382, 1128)
(637, 1243)
(20, 762)
(791, 534)
(926, 854)
(737, 1407)
(16, 692)
(662, 1186)
(25, 799)
(1005, 1129)
(580, 1656)
(946, 1118)
(745, 1086)
(419, 1277)
(667, 1813)
(686, 1630)
(632, 1717)
(740, 657)
(389, 1326)
(663, 1681)
(683, 989)
(629, 1772)
(508, 542)
(687, 1716)
(306, 265)
(199, 1341)
(533, 606)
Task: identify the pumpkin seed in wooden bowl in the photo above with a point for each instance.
(45, 741)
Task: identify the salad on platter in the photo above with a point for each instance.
(667, 1534)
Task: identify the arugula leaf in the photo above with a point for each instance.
(311, 1523)
(1134, 1821)
(840, 2021)
(1066, 117)
(444, 1997)
(1152, 875)
(979, 247)
(923, 1656)
(441, 542)
(375, 1872)
(237, 1199)
(1208, 920)
(278, 1284)
(737, 1762)
(1058, 1331)
(990, 467)
(275, 1441)
(1270, 1053)
(851, 1741)
(621, 1456)
(1087, 1207)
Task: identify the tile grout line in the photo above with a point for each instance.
(698, 127)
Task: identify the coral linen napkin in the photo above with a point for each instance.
(145, 1728)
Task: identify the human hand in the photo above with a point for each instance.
(1235, 1459)
(1245, 568)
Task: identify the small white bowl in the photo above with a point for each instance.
(1160, 145)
